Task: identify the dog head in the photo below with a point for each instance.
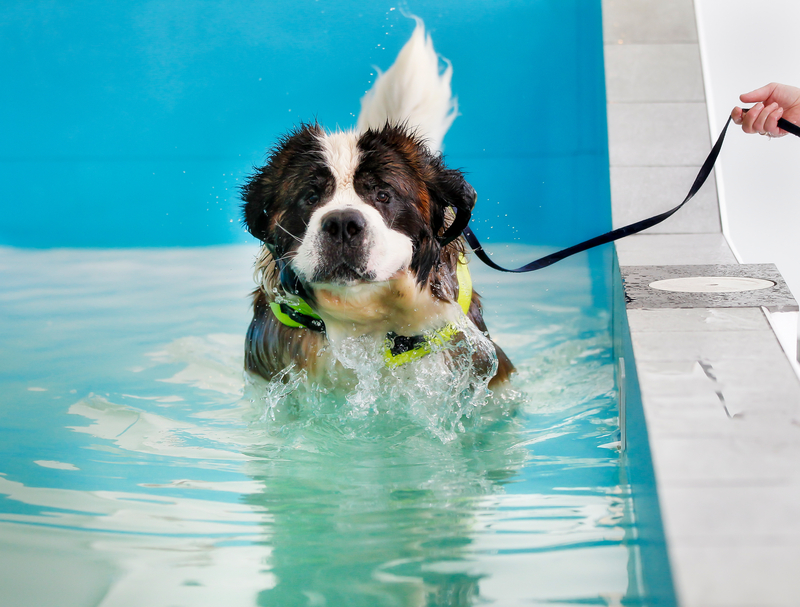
(345, 209)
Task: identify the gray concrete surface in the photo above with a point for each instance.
(721, 400)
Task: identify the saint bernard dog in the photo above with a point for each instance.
(356, 231)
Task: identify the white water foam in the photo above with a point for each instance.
(440, 393)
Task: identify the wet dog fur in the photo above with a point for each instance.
(357, 216)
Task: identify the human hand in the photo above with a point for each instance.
(774, 101)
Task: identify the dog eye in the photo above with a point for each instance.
(382, 196)
(311, 198)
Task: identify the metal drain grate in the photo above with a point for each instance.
(707, 286)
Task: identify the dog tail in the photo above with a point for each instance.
(413, 92)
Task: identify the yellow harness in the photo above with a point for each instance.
(398, 350)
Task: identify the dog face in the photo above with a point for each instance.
(346, 209)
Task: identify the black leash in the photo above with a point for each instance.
(613, 235)
(787, 126)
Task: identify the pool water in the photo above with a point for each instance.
(139, 467)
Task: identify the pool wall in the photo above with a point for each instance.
(720, 401)
(149, 115)
(654, 568)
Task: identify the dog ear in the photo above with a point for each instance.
(258, 197)
(449, 189)
(277, 178)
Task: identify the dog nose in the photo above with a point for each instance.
(346, 226)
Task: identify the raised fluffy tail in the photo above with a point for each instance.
(413, 91)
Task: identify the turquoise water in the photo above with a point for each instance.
(140, 468)
(146, 112)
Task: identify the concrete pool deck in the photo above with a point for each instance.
(720, 398)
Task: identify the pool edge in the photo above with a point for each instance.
(722, 477)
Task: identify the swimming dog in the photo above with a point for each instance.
(360, 230)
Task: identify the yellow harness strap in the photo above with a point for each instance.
(302, 311)
(300, 307)
(464, 284)
(442, 336)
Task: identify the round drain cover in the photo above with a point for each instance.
(712, 284)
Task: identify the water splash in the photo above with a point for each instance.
(440, 393)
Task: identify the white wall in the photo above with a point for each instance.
(744, 45)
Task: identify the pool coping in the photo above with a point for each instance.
(711, 396)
